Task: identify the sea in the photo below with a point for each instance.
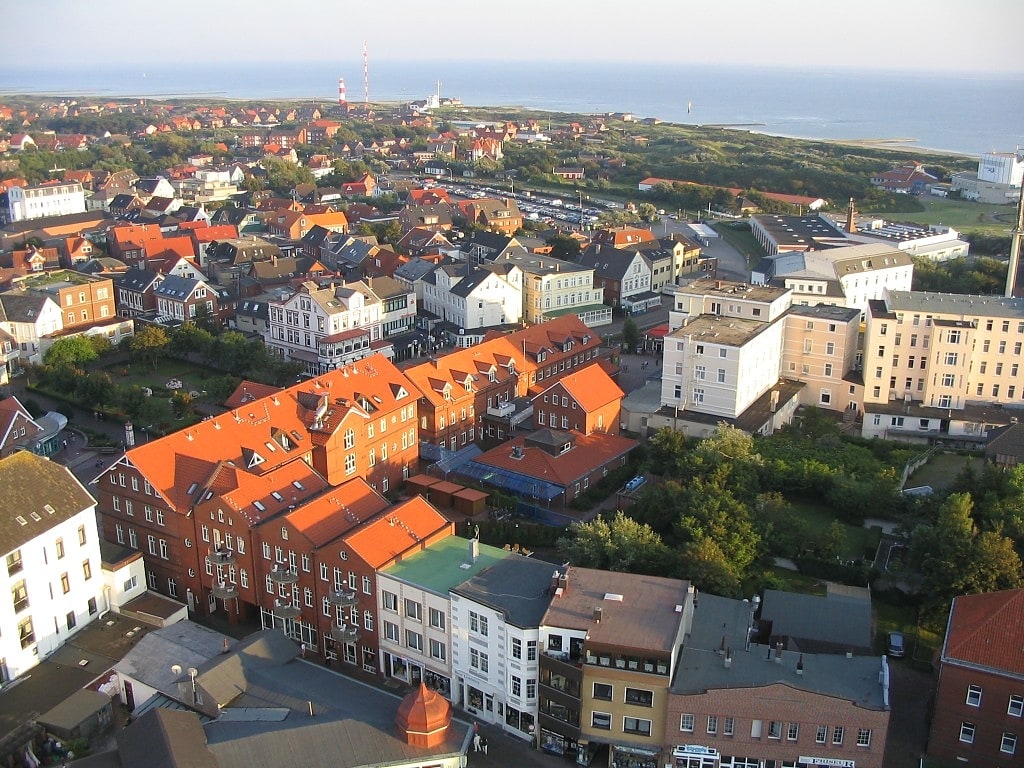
(956, 112)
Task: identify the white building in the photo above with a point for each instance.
(470, 297)
(997, 181)
(52, 561)
(325, 328)
(48, 199)
(512, 596)
(30, 318)
(707, 296)
(414, 606)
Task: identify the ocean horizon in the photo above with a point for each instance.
(952, 112)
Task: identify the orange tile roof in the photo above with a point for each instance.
(591, 387)
(247, 391)
(260, 497)
(404, 527)
(271, 431)
(988, 630)
(588, 453)
(324, 519)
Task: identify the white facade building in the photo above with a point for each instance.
(39, 200)
(52, 561)
(475, 297)
(30, 318)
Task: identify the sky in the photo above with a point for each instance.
(915, 35)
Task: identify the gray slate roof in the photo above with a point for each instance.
(518, 586)
(32, 487)
(165, 738)
(840, 620)
(186, 644)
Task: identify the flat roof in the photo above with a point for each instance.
(518, 586)
(954, 303)
(444, 564)
(734, 289)
(716, 329)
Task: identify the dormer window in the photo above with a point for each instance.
(469, 383)
(492, 376)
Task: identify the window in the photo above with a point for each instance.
(821, 735)
(793, 731)
(437, 650)
(517, 687)
(478, 660)
(87, 569)
(1016, 706)
(26, 633)
(60, 548)
(951, 358)
(974, 695)
(712, 724)
(350, 463)
(636, 725)
(71, 620)
(391, 631)
(686, 723)
(414, 640)
(437, 619)
(413, 610)
(531, 688)
(967, 733)
(729, 726)
(517, 648)
(864, 737)
(1009, 744)
(601, 720)
(531, 651)
(478, 623)
(390, 600)
(603, 691)
(640, 697)
(837, 734)
(774, 729)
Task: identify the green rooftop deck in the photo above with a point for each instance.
(444, 565)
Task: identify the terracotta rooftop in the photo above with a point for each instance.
(988, 630)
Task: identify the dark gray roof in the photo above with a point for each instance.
(492, 241)
(224, 678)
(415, 269)
(607, 261)
(1007, 441)
(839, 620)
(37, 495)
(177, 288)
(470, 282)
(136, 279)
(720, 621)
(354, 724)
(251, 308)
(21, 306)
(165, 738)
(77, 707)
(518, 586)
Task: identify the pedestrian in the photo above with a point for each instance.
(476, 741)
(483, 745)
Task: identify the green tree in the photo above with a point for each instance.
(71, 351)
(149, 343)
(621, 544)
(191, 338)
(564, 247)
(630, 334)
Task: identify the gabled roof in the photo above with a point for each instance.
(333, 514)
(404, 528)
(987, 630)
(166, 738)
(138, 280)
(591, 387)
(37, 495)
(175, 288)
(609, 262)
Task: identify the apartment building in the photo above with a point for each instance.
(325, 327)
(610, 645)
(979, 702)
(552, 288)
(585, 401)
(35, 201)
(740, 703)
(820, 349)
(415, 610)
(31, 320)
(52, 561)
(250, 465)
(496, 615)
(941, 366)
(623, 275)
(468, 298)
(470, 394)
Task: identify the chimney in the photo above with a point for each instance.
(563, 581)
(727, 661)
(800, 665)
(774, 400)
(597, 614)
(778, 652)
(851, 218)
(554, 582)
(474, 549)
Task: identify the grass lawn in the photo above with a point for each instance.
(794, 581)
(941, 470)
(860, 541)
(921, 643)
(145, 375)
(962, 215)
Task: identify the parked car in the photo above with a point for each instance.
(896, 647)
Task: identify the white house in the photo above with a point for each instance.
(48, 199)
(52, 560)
(511, 596)
(30, 317)
(476, 297)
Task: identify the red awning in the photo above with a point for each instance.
(658, 331)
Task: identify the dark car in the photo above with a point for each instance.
(896, 647)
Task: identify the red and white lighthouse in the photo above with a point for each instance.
(342, 102)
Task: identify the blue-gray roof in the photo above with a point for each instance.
(517, 586)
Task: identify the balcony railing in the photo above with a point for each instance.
(286, 610)
(223, 590)
(222, 557)
(281, 575)
(346, 633)
(342, 597)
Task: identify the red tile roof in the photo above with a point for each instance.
(591, 387)
(988, 630)
(589, 452)
(405, 527)
(335, 513)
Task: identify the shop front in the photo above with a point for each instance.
(695, 756)
(520, 723)
(623, 756)
(825, 762)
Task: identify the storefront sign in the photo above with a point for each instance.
(832, 762)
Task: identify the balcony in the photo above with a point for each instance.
(345, 633)
(221, 557)
(222, 590)
(281, 575)
(343, 598)
(285, 610)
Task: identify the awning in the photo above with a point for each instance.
(658, 331)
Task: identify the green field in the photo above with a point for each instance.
(962, 215)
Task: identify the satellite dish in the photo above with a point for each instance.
(192, 672)
(176, 669)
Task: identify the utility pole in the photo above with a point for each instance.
(1015, 243)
